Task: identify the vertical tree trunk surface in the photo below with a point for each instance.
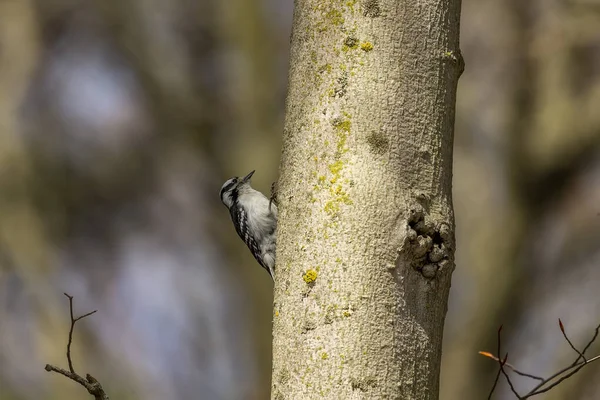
(366, 230)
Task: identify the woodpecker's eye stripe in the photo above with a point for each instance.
(228, 186)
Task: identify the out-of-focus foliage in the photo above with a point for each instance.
(119, 121)
(527, 194)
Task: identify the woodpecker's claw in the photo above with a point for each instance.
(273, 198)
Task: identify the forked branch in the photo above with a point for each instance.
(545, 384)
(89, 382)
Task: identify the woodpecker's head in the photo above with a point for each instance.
(232, 188)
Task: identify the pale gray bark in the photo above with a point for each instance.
(366, 231)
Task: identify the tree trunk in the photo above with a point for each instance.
(366, 229)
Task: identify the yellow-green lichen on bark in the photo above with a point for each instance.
(330, 15)
(366, 46)
(310, 276)
(350, 4)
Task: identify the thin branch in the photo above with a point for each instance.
(512, 367)
(499, 361)
(576, 364)
(575, 368)
(90, 383)
(73, 321)
(502, 363)
(495, 384)
(512, 388)
(499, 369)
(553, 380)
(562, 329)
(589, 344)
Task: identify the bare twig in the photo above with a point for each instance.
(495, 383)
(512, 367)
(499, 370)
(571, 369)
(90, 383)
(575, 368)
(579, 353)
(553, 380)
(512, 388)
(73, 320)
(587, 346)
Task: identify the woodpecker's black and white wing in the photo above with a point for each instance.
(240, 221)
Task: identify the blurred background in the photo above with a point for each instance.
(120, 120)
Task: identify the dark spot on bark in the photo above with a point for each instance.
(279, 396)
(309, 325)
(371, 8)
(426, 156)
(378, 143)
(363, 384)
(284, 376)
(351, 42)
(437, 238)
(342, 84)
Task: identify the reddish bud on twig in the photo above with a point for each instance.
(562, 327)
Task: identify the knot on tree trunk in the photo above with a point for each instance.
(428, 243)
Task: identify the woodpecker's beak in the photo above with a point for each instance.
(247, 177)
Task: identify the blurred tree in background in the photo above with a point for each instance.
(119, 121)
